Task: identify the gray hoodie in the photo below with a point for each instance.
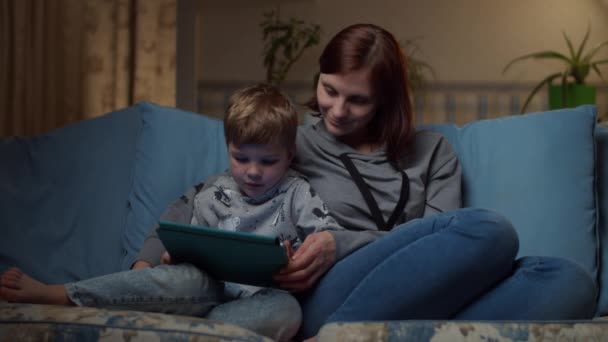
(290, 211)
(432, 169)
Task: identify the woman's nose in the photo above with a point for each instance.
(339, 108)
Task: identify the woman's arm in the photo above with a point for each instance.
(443, 187)
(315, 256)
(317, 253)
(324, 241)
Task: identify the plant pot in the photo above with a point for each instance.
(576, 95)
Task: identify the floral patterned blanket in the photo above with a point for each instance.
(32, 322)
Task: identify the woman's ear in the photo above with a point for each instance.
(291, 153)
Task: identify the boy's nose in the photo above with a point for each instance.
(254, 172)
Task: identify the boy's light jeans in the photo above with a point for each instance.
(183, 289)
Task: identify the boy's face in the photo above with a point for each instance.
(257, 168)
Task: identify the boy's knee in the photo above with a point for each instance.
(185, 280)
(269, 312)
(283, 315)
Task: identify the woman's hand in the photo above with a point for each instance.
(314, 257)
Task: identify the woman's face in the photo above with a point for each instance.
(347, 104)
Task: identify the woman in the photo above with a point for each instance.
(444, 263)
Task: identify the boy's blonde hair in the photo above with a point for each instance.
(260, 114)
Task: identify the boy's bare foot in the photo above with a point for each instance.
(16, 286)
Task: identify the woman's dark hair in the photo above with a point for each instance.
(369, 46)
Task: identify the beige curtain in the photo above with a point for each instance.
(67, 60)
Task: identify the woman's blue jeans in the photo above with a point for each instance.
(457, 265)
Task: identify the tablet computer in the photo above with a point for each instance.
(225, 255)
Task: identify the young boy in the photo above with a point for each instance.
(259, 194)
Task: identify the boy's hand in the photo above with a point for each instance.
(140, 264)
(165, 259)
(314, 257)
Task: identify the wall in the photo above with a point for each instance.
(468, 43)
(464, 40)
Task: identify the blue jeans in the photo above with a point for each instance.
(457, 265)
(184, 289)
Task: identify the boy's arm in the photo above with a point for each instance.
(151, 251)
(310, 212)
(203, 213)
(179, 211)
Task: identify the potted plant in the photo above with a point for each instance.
(571, 90)
(418, 69)
(284, 43)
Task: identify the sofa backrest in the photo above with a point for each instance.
(63, 197)
(77, 202)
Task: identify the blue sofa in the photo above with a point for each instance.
(78, 201)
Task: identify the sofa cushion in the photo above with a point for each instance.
(63, 197)
(538, 171)
(78, 202)
(175, 151)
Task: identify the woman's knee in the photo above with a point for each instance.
(573, 286)
(495, 230)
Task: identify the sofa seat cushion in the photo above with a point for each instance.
(30, 322)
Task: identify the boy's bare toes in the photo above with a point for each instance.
(11, 278)
(8, 295)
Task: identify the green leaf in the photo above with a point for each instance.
(547, 80)
(539, 55)
(595, 50)
(570, 47)
(284, 42)
(582, 47)
(598, 72)
(603, 61)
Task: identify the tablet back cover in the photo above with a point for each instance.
(225, 255)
